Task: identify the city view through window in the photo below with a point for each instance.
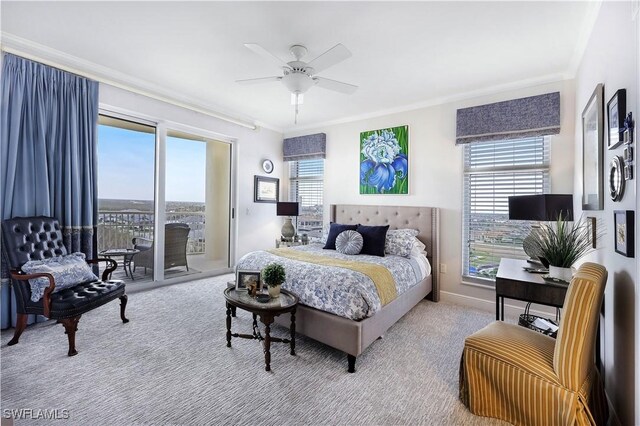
(493, 172)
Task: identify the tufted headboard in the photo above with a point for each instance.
(425, 219)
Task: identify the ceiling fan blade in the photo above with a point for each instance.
(256, 48)
(337, 53)
(338, 86)
(258, 80)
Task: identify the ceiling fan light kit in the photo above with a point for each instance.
(299, 76)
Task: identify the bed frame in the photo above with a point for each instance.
(353, 337)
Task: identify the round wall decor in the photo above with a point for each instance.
(616, 178)
(267, 166)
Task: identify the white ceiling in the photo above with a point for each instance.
(403, 53)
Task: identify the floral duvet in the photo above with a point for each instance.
(336, 290)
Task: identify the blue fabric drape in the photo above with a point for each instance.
(48, 135)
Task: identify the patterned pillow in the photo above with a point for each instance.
(349, 242)
(325, 233)
(400, 241)
(67, 271)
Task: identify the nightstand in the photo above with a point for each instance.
(289, 243)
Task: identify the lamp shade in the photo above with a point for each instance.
(543, 207)
(287, 209)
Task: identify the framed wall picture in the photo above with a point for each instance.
(624, 231)
(245, 278)
(592, 145)
(616, 113)
(266, 189)
(384, 161)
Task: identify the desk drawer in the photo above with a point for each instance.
(531, 292)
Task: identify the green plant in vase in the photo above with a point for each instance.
(273, 275)
(562, 243)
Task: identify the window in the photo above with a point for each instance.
(493, 171)
(306, 185)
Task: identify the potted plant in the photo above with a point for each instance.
(561, 244)
(273, 276)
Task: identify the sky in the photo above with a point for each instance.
(126, 163)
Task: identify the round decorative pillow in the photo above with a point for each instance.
(349, 242)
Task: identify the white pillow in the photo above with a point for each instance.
(416, 252)
(419, 245)
(400, 241)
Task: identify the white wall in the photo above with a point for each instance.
(611, 58)
(435, 170)
(257, 223)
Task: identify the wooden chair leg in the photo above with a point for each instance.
(123, 304)
(21, 324)
(70, 328)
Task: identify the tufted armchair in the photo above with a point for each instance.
(38, 238)
(526, 378)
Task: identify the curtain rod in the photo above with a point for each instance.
(128, 88)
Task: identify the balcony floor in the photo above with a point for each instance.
(198, 264)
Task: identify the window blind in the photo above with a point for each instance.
(493, 171)
(306, 185)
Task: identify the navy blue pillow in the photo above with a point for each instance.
(373, 238)
(334, 231)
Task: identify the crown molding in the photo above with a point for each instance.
(35, 51)
(492, 90)
(583, 37)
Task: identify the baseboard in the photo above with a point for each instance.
(512, 308)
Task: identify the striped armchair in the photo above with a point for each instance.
(526, 378)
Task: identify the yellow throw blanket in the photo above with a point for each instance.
(381, 277)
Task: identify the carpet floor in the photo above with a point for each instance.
(170, 365)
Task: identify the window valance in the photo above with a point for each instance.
(307, 147)
(517, 118)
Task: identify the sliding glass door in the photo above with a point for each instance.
(126, 188)
(197, 204)
(191, 177)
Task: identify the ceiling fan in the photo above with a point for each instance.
(299, 76)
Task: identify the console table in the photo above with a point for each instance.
(513, 282)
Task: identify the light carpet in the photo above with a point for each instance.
(170, 365)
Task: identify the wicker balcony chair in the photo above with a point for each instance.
(526, 378)
(176, 236)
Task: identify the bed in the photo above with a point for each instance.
(355, 325)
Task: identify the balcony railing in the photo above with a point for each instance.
(116, 229)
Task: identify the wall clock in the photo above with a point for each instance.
(267, 166)
(616, 178)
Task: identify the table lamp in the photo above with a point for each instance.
(288, 209)
(541, 208)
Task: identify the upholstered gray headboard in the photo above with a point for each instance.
(425, 219)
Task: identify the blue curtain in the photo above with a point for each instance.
(48, 134)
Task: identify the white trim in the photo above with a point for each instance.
(159, 205)
(583, 37)
(510, 310)
(66, 62)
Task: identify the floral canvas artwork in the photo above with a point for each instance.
(384, 161)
